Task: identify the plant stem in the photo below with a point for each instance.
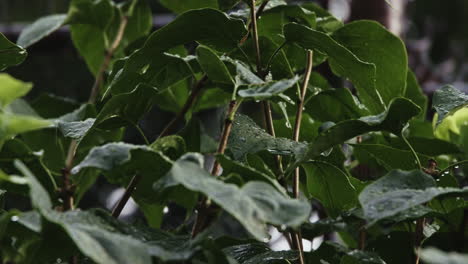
(296, 133)
(259, 12)
(418, 237)
(416, 157)
(142, 134)
(453, 165)
(107, 59)
(203, 214)
(255, 37)
(136, 178)
(67, 188)
(126, 196)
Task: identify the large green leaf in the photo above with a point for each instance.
(372, 43)
(399, 191)
(346, 64)
(330, 186)
(399, 112)
(181, 6)
(415, 93)
(335, 105)
(392, 158)
(326, 22)
(121, 161)
(247, 137)
(436, 256)
(10, 54)
(212, 65)
(40, 29)
(207, 26)
(254, 205)
(447, 99)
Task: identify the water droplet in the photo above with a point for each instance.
(165, 210)
(14, 218)
(438, 180)
(266, 239)
(59, 260)
(447, 172)
(456, 167)
(283, 227)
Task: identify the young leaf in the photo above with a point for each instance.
(258, 253)
(10, 54)
(372, 43)
(254, 205)
(12, 89)
(330, 186)
(398, 191)
(181, 6)
(40, 29)
(346, 64)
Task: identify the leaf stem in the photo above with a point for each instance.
(453, 165)
(255, 36)
(167, 129)
(203, 217)
(416, 157)
(142, 134)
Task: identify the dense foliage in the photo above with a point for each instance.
(388, 182)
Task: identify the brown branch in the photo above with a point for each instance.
(166, 130)
(204, 213)
(418, 237)
(259, 12)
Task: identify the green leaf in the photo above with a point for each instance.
(330, 186)
(392, 158)
(372, 43)
(207, 26)
(398, 191)
(76, 130)
(10, 54)
(140, 21)
(446, 100)
(172, 146)
(259, 253)
(40, 29)
(267, 89)
(436, 256)
(247, 173)
(253, 205)
(426, 146)
(247, 137)
(12, 89)
(41, 199)
(335, 105)
(399, 112)
(11, 125)
(321, 227)
(181, 6)
(121, 161)
(272, 20)
(416, 94)
(346, 64)
(212, 65)
(127, 107)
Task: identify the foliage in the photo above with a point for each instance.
(366, 160)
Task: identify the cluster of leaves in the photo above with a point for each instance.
(362, 157)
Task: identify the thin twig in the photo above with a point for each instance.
(107, 59)
(202, 216)
(255, 37)
(416, 157)
(418, 237)
(187, 105)
(453, 165)
(126, 196)
(296, 133)
(259, 12)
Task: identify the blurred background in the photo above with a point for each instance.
(434, 32)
